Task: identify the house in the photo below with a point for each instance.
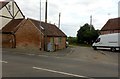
(28, 33)
(112, 26)
(9, 10)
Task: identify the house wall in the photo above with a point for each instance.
(28, 36)
(109, 32)
(7, 40)
(62, 45)
(59, 42)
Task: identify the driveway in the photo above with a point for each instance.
(88, 54)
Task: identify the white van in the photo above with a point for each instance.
(111, 41)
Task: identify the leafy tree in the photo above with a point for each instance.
(87, 34)
(72, 40)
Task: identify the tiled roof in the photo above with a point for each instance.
(2, 4)
(112, 24)
(51, 30)
(12, 25)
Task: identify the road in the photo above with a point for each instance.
(20, 65)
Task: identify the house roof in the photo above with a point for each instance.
(51, 30)
(2, 4)
(112, 24)
(12, 26)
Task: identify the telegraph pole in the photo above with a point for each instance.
(45, 26)
(40, 28)
(46, 11)
(59, 20)
(90, 22)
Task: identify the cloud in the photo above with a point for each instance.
(30, 8)
(74, 13)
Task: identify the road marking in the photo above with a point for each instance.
(31, 54)
(59, 72)
(43, 55)
(3, 62)
(49, 56)
(57, 57)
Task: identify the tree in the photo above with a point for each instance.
(87, 34)
(72, 40)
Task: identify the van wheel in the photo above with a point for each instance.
(95, 48)
(119, 50)
(113, 49)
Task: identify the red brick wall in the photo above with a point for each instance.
(28, 36)
(7, 40)
(57, 43)
(63, 42)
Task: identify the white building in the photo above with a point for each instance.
(9, 10)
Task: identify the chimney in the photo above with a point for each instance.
(46, 11)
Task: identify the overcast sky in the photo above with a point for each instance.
(74, 13)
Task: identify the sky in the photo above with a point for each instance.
(74, 13)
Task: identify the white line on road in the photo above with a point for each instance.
(59, 72)
(3, 61)
(49, 56)
(57, 57)
(31, 54)
(43, 55)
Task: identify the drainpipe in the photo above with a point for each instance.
(14, 40)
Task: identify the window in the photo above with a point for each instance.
(52, 40)
(9, 7)
(60, 40)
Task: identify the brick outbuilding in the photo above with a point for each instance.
(29, 33)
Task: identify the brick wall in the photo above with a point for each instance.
(28, 36)
(57, 44)
(7, 40)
